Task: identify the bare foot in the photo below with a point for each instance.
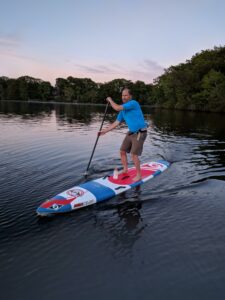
(137, 178)
(123, 172)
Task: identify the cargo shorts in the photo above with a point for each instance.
(133, 143)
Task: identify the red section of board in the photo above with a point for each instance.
(127, 178)
(52, 201)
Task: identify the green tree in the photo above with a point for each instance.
(213, 85)
(3, 87)
(193, 85)
(113, 89)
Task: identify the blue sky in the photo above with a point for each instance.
(104, 40)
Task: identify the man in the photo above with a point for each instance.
(130, 112)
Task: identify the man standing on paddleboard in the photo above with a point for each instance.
(130, 112)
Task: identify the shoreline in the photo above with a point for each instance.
(103, 105)
(63, 103)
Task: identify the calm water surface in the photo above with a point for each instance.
(163, 241)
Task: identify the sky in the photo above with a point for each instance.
(105, 40)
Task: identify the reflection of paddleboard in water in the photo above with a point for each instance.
(99, 189)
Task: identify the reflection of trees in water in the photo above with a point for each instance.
(175, 135)
(197, 138)
(68, 113)
(65, 113)
(210, 159)
(74, 113)
(85, 114)
(24, 109)
(188, 123)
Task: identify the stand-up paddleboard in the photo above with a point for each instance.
(99, 189)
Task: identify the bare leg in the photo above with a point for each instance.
(137, 166)
(123, 157)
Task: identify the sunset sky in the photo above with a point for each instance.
(104, 40)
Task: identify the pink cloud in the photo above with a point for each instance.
(14, 64)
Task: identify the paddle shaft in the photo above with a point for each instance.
(97, 138)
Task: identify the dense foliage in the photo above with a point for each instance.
(25, 88)
(197, 84)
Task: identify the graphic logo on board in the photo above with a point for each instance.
(75, 193)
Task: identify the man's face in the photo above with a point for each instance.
(126, 96)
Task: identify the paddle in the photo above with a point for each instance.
(86, 172)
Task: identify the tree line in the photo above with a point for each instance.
(70, 90)
(197, 84)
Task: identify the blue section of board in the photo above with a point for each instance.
(140, 182)
(164, 162)
(156, 173)
(100, 191)
(58, 197)
(136, 183)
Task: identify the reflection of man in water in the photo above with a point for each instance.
(130, 213)
(130, 112)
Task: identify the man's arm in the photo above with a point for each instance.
(115, 106)
(111, 127)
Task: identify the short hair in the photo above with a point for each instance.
(128, 89)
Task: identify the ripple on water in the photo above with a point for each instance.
(168, 233)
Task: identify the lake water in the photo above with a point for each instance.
(163, 241)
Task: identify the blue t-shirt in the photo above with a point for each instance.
(132, 115)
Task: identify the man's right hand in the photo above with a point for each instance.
(109, 99)
(109, 128)
(102, 132)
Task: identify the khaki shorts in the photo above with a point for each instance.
(134, 143)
